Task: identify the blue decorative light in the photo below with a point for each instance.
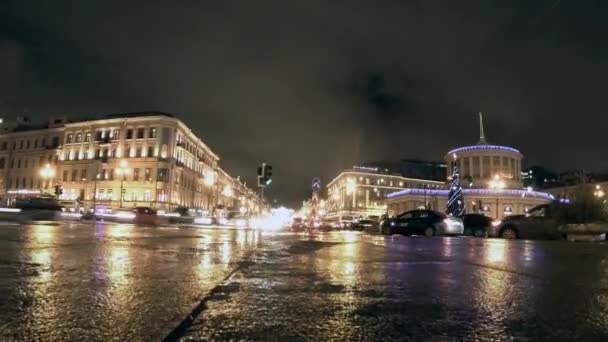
(483, 147)
(474, 192)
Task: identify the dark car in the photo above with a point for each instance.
(476, 224)
(365, 225)
(422, 222)
(145, 215)
(541, 222)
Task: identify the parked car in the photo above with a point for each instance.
(422, 222)
(365, 224)
(476, 224)
(541, 222)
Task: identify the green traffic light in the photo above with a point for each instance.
(268, 181)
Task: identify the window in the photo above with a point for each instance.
(1, 163)
(83, 174)
(102, 194)
(25, 166)
(87, 137)
(97, 153)
(98, 135)
(152, 133)
(110, 175)
(65, 175)
(138, 151)
(12, 163)
(27, 144)
(163, 175)
(10, 183)
(147, 195)
(148, 174)
(78, 137)
(69, 138)
(3, 148)
(20, 144)
(55, 142)
(136, 174)
(19, 163)
(23, 182)
(110, 195)
(129, 134)
(150, 151)
(74, 175)
(35, 143)
(14, 145)
(140, 133)
(31, 182)
(134, 195)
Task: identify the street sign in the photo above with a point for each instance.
(316, 185)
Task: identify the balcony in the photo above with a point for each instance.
(180, 144)
(179, 164)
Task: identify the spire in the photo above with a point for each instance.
(482, 138)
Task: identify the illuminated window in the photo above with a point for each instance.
(115, 134)
(152, 133)
(110, 195)
(148, 174)
(401, 184)
(147, 195)
(87, 137)
(140, 133)
(136, 174)
(78, 139)
(68, 140)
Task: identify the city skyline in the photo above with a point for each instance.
(318, 85)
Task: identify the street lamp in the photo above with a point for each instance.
(122, 171)
(497, 184)
(351, 187)
(599, 193)
(47, 172)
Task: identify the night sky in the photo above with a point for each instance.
(313, 87)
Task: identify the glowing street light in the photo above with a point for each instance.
(599, 193)
(47, 172)
(497, 184)
(122, 171)
(228, 192)
(210, 178)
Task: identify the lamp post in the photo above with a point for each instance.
(351, 189)
(47, 173)
(122, 171)
(497, 184)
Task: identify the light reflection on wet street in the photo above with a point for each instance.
(80, 282)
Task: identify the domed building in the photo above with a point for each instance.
(491, 181)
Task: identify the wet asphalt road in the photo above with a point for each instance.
(118, 282)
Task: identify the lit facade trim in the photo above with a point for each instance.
(474, 192)
(483, 147)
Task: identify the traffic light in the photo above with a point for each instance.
(268, 174)
(264, 175)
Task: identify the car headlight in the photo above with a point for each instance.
(496, 223)
(392, 223)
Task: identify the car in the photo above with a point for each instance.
(145, 215)
(422, 222)
(365, 224)
(541, 222)
(476, 224)
(345, 222)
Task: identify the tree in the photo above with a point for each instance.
(455, 197)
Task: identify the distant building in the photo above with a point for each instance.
(538, 177)
(361, 191)
(491, 180)
(411, 168)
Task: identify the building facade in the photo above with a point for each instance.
(361, 191)
(124, 160)
(491, 179)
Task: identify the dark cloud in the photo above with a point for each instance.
(314, 86)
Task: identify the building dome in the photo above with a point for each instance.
(483, 163)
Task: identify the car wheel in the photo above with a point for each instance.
(429, 231)
(508, 233)
(467, 231)
(478, 232)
